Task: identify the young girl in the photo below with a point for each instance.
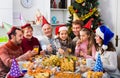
(65, 41)
(107, 51)
(85, 46)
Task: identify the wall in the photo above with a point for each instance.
(107, 9)
(29, 13)
(108, 12)
(6, 11)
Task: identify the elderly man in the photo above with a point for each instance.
(12, 50)
(48, 41)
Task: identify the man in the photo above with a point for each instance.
(48, 40)
(12, 50)
(76, 27)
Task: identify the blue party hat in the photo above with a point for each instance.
(98, 65)
(106, 34)
(15, 71)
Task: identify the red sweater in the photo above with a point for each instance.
(7, 53)
(29, 44)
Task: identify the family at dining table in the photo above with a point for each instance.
(86, 44)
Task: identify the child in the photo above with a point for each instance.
(65, 41)
(85, 46)
(107, 51)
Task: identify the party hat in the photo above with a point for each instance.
(98, 65)
(7, 26)
(75, 17)
(106, 34)
(26, 25)
(14, 71)
(23, 22)
(38, 17)
(57, 29)
(88, 24)
(44, 21)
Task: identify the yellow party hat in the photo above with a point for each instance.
(75, 17)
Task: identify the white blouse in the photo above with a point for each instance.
(109, 60)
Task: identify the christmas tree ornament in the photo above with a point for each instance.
(99, 9)
(71, 10)
(90, 10)
(83, 4)
(96, 14)
(88, 15)
(75, 17)
(76, 10)
(79, 1)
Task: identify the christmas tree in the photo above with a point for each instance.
(85, 10)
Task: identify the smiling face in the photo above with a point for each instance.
(28, 32)
(17, 37)
(63, 35)
(98, 39)
(84, 36)
(47, 30)
(76, 29)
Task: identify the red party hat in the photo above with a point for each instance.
(26, 25)
(57, 28)
(88, 24)
(44, 21)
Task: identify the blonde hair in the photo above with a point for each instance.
(91, 40)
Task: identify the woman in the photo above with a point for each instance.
(107, 51)
(29, 42)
